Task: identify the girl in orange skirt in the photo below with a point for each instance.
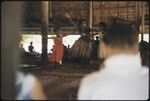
(57, 54)
(58, 46)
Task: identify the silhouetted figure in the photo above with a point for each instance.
(31, 47)
(82, 47)
(52, 56)
(68, 48)
(102, 28)
(22, 50)
(144, 52)
(65, 54)
(95, 48)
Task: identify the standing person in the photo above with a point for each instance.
(58, 46)
(102, 28)
(65, 53)
(68, 49)
(123, 77)
(21, 48)
(58, 43)
(83, 45)
(30, 48)
(95, 48)
(52, 56)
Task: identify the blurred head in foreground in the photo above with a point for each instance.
(120, 37)
(122, 71)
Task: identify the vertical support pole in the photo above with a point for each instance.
(143, 21)
(45, 20)
(118, 8)
(90, 14)
(50, 9)
(136, 10)
(127, 10)
(137, 16)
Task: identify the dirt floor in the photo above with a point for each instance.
(62, 83)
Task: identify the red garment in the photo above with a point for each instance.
(58, 48)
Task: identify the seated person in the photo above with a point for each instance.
(123, 77)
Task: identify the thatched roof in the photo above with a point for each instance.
(31, 12)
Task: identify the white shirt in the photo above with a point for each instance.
(122, 78)
(28, 82)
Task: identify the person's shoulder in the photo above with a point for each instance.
(31, 77)
(145, 70)
(27, 78)
(92, 77)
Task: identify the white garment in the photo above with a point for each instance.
(122, 78)
(28, 82)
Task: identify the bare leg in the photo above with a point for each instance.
(60, 62)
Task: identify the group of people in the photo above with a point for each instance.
(124, 74)
(57, 51)
(84, 49)
(31, 56)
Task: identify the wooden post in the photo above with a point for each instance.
(136, 10)
(50, 9)
(118, 8)
(127, 10)
(143, 21)
(10, 20)
(90, 14)
(45, 20)
(137, 16)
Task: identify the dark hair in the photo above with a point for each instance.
(82, 20)
(97, 37)
(143, 45)
(56, 29)
(113, 19)
(103, 25)
(120, 34)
